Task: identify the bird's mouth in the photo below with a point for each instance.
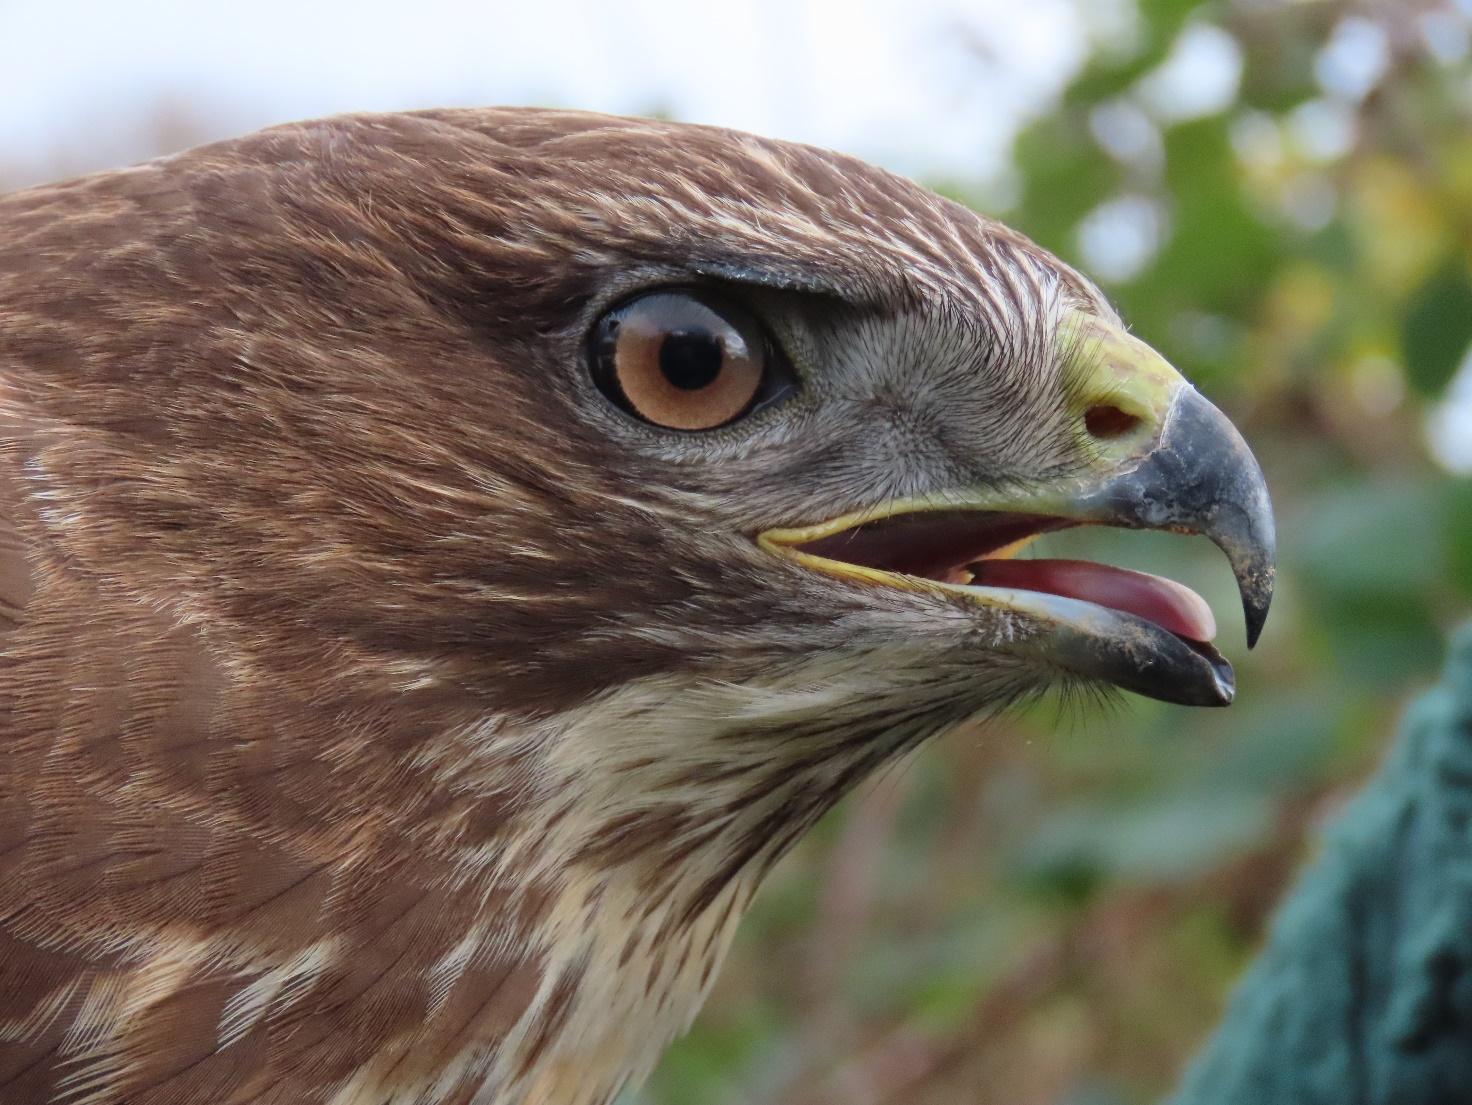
(1139, 631)
(976, 549)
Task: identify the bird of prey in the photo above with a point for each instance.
(447, 558)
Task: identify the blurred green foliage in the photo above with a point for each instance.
(1050, 908)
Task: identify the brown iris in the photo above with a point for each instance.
(684, 360)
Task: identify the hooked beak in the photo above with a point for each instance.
(1168, 460)
(1199, 478)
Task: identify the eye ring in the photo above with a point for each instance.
(686, 359)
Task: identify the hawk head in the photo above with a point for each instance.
(449, 557)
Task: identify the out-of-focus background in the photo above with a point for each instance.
(1278, 195)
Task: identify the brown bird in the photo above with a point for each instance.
(447, 558)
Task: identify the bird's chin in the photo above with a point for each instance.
(1140, 632)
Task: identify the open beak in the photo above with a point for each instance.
(1164, 459)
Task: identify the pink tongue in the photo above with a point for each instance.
(1166, 603)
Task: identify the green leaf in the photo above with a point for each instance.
(1437, 328)
(1457, 531)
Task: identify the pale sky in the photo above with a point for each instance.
(924, 86)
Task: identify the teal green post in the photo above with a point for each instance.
(1363, 993)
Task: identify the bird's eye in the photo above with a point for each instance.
(686, 360)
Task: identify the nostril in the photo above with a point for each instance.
(1105, 421)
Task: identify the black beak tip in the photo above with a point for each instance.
(1222, 688)
(1257, 616)
(1254, 631)
(1257, 597)
(1226, 685)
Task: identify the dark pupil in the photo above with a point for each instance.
(691, 359)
